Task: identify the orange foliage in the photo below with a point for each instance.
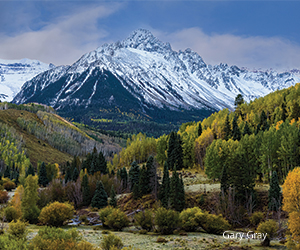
(291, 202)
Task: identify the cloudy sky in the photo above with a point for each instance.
(253, 34)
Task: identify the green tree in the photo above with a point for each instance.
(177, 195)
(30, 211)
(274, 193)
(199, 129)
(85, 187)
(75, 174)
(30, 170)
(236, 133)
(165, 187)
(113, 197)
(134, 175)
(295, 111)
(100, 197)
(247, 130)
(7, 172)
(227, 129)
(124, 177)
(152, 175)
(68, 175)
(224, 180)
(171, 149)
(43, 180)
(238, 100)
(143, 182)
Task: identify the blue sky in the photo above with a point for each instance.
(253, 34)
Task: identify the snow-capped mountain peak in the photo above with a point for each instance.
(146, 73)
(14, 73)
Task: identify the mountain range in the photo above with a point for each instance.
(144, 76)
(14, 73)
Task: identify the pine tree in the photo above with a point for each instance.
(7, 172)
(68, 176)
(263, 124)
(247, 130)
(75, 174)
(164, 190)
(135, 191)
(274, 193)
(124, 177)
(143, 182)
(224, 180)
(295, 111)
(29, 171)
(199, 129)
(113, 197)
(236, 133)
(227, 129)
(43, 180)
(178, 154)
(171, 147)
(284, 112)
(86, 197)
(134, 175)
(102, 163)
(100, 197)
(177, 196)
(151, 173)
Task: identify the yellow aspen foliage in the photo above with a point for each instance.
(201, 143)
(278, 124)
(291, 204)
(17, 200)
(292, 121)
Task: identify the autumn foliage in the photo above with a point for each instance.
(56, 213)
(291, 203)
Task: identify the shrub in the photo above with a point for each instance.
(116, 220)
(17, 230)
(56, 213)
(211, 223)
(9, 185)
(55, 238)
(3, 197)
(103, 213)
(9, 243)
(270, 228)
(111, 241)
(144, 219)
(256, 218)
(84, 245)
(166, 220)
(161, 240)
(188, 219)
(10, 213)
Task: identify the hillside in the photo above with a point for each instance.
(50, 138)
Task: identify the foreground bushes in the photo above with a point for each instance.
(56, 213)
(166, 220)
(111, 241)
(144, 219)
(113, 218)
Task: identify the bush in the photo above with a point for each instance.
(10, 213)
(3, 197)
(17, 230)
(9, 243)
(211, 223)
(9, 185)
(56, 213)
(144, 219)
(269, 227)
(116, 220)
(111, 241)
(103, 213)
(256, 218)
(166, 220)
(188, 219)
(55, 238)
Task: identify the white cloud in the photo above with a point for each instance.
(62, 41)
(251, 52)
